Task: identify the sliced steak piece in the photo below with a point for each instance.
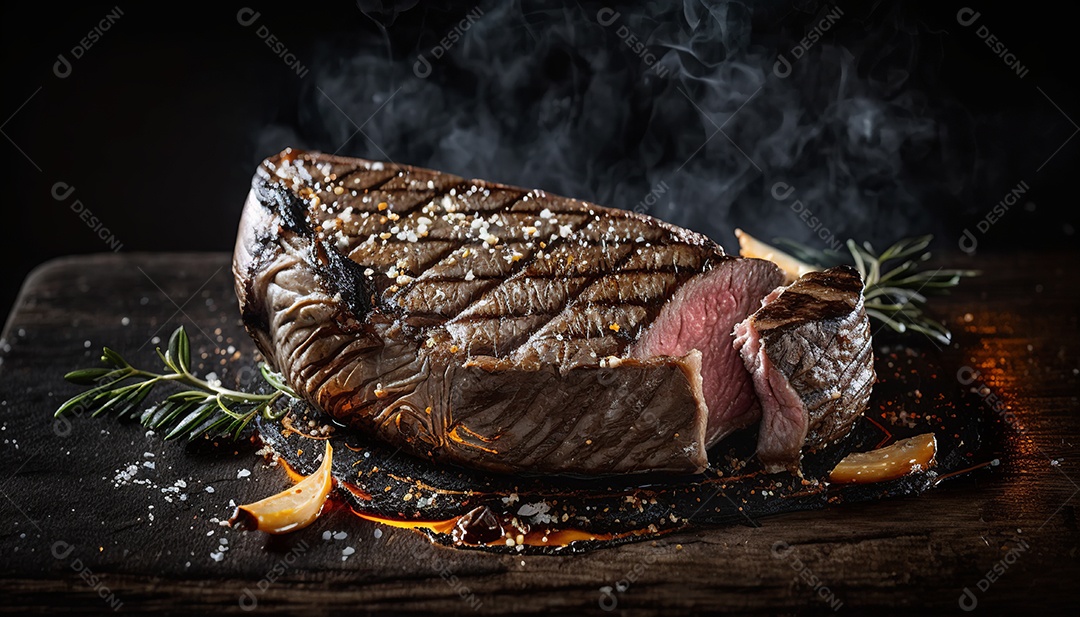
(809, 352)
(492, 326)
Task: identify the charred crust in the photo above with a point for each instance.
(339, 275)
(841, 278)
(798, 307)
(816, 297)
(344, 278)
(283, 202)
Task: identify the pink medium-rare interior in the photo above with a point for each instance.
(783, 415)
(702, 316)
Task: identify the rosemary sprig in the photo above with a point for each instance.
(895, 289)
(201, 408)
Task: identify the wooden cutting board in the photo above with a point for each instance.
(101, 514)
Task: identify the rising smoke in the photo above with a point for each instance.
(622, 106)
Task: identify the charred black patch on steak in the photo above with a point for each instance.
(275, 197)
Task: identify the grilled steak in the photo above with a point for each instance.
(809, 352)
(492, 326)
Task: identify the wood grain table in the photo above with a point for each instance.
(101, 515)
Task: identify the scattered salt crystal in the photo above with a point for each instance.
(209, 489)
(378, 533)
(125, 321)
(243, 473)
(341, 535)
(532, 509)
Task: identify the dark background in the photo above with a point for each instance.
(898, 120)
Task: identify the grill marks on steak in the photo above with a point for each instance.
(809, 351)
(493, 326)
(546, 260)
